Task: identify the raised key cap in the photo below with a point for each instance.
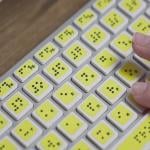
(83, 145)
(7, 86)
(102, 134)
(72, 126)
(111, 90)
(130, 73)
(26, 70)
(77, 53)
(95, 37)
(122, 116)
(47, 113)
(87, 78)
(46, 53)
(37, 87)
(138, 137)
(132, 7)
(141, 24)
(17, 105)
(122, 44)
(66, 36)
(105, 60)
(26, 132)
(5, 123)
(114, 21)
(85, 19)
(67, 95)
(6, 143)
(52, 141)
(103, 5)
(92, 108)
(57, 70)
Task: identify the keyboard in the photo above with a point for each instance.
(73, 90)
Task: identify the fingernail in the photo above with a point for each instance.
(141, 39)
(139, 88)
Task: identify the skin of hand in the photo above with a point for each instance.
(141, 90)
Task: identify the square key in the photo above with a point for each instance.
(5, 123)
(122, 44)
(67, 95)
(111, 90)
(66, 36)
(47, 113)
(37, 87)
(85, 19)
(46, 53)
(57, 70)
(77, 53)
(26, 132)
(141, 24)
(92, 108)
(130, 73)
(122, 116)
(26, 70)
(83, 145)
(72, 126)
(52, 141)
(132, 7)
(114, 21)
(6, 143)
(106, 60)
(17, 105)
(7, 86)
(102, 134)
(96, 36)
(103, 5)
(87, 77)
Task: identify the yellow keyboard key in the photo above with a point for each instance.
(102, 134)
(103, 5)
(57, 70)
(47, 113)
(85, 19)
(96, 37)
(67, 95)
(111, 90)
(122, 116)
(83, 145)
(141, 24)
(17, 105)
(132, 7)
(26, 70)
(77, 53)
(6, 143)
(122, 44)
(130, 72)
(38, 87)
(72, 126)
(52, 141)
(66, 36)
(87, 78)
(7, 86)
(26, 132)
(114, 21)
(5, 123)
(138, 138)
(106, 60)
(46, 53)
(92, 108)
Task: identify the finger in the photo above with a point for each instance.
(141, 45)
(141, 93)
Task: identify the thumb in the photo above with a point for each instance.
(141, 93)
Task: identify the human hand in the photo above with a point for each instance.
(141, 90)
